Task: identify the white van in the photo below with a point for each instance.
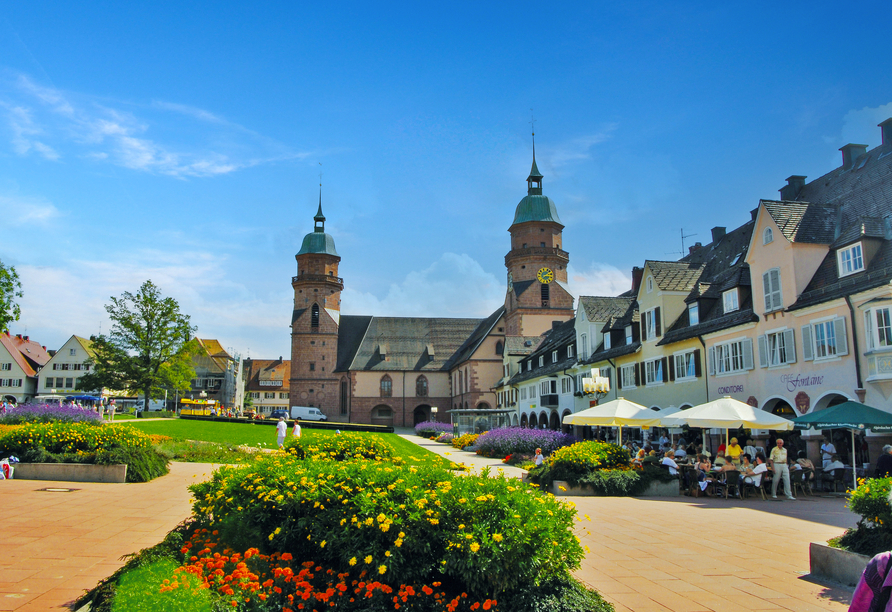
(307, 413)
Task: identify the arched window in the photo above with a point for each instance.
(500, 348)
(650, 284)
(767, 236)
(314, 319)
(386, 386)
(421, 386)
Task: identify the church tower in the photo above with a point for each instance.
(314, 322)
(537, 266)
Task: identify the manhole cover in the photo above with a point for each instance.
(58, 490)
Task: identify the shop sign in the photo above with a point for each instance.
(797, 381)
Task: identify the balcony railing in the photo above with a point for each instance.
(317, 278)
(549, 400)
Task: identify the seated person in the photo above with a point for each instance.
(745, 464)
(651, 458)
(750, 449)
(806, 464)
(720, 458)
(669, 462)
(639, 457)
(834, 464)
(703, 467)
(727, 466)
(679, 452)
(754, 476)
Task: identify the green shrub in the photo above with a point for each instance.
(143, 464)
(624, 482)
(340, 447)
(573, 463)
(486, 535)
(160, 414)
(140, 590)
(873, 534)
(555, 596)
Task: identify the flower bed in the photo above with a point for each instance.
(432, 429)
(509, 440)
(49, 413)
(583, 463)
(84, 442)
(340, 447)
(464, 440)
(873, 533)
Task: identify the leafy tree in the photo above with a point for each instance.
(10, 288)
(148, 348)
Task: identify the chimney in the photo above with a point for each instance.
(886, 127)
(19, 336)
(697, 246)
(717, 233)
(794, 186)
(25, 338)
(850, 153)
(636, 278)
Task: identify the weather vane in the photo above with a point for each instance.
(533, 129)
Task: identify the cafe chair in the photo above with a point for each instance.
(797, 481)
(732, 483)
(839, 479)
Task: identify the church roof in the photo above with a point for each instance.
(401, 343)
(318, 242)
(536, 208)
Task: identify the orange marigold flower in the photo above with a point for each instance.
(427, 590)
(287, 557)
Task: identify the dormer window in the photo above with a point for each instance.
(607, 340)
(850, 259)
(767, 236)
(729, 300)
(554, 356)
(693, 313)
(650, 284)
(541, 360)
(628, 335)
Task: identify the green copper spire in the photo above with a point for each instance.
(318, 241)
(319, 218)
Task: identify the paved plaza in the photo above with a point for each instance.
(646, 554)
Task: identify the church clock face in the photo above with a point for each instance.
(545, 275)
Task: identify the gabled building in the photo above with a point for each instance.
(218, 375)
(61, 372)
(267, 383)
(21, 359)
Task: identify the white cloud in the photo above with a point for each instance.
(17, 211)
(453, 286)
(860, 126)
(47, 121)
(577, 149)
(599, 279)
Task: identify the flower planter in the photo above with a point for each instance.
(561, 488)
(835, 564)
(661, 489)
(71, 472)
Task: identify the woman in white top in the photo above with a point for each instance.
(669, 461)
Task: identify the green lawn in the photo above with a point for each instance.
(265, 436)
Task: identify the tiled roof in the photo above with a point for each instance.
(612, 353)
(217, 359)
(554, 339)
(29, 355)
(521, 286)
(674, 275)
(466, 350)
(804, 222)
(631, 315)
(604, 308)
(267, 370)
(865, 227)
(682, 331)
(521, 345)
(87, 345)
(863, 190)
(406, 343)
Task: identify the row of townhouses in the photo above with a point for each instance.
(791, 312)
(29, 370)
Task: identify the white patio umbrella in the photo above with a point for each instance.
(615, 413)
(728, 413)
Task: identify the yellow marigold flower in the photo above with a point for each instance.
(475, 547)
(386, 553)
(382, 569)
(368, 559)
(352, 561)
(399, 542)
(462, 526)
(497, 537)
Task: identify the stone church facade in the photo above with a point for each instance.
(403, 370)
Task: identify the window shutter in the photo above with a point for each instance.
(807, 348)
(790, 345)
(671, 363)
(766, 290)
(747, 353)
(842, 342)
(638, 368)
(698, 369)
(763, 351)
(711, 364)
(868, 329)
(619, 378)
(657, 323)
(666, 369)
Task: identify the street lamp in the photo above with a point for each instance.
(596, 386)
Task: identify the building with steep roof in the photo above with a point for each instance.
(267, 383)
(403, 370)
(21, 359)
(218, 375)
(60, 374)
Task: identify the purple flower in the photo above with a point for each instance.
(46, 413)
(432, 427)
(510, 440)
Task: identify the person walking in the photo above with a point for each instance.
(778, 460)
(281, 428)
(295, 431)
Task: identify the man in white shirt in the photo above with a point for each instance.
(669, 461)
(827, 452)
(754, 476)
(281, 428)
(781, 470)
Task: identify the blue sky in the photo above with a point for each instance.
(182, 142)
